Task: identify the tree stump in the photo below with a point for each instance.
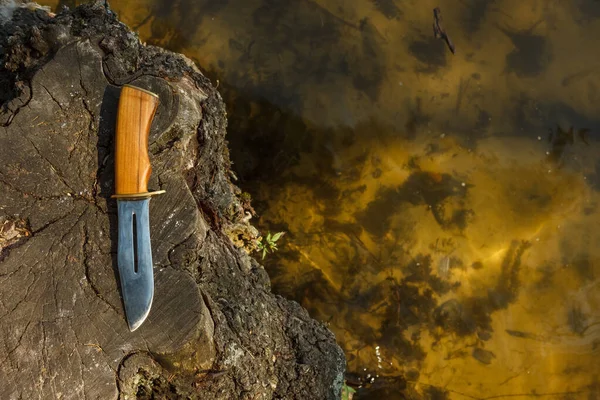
(215, 331)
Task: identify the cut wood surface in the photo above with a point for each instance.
(215, 330)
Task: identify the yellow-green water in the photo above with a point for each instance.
(437, 218)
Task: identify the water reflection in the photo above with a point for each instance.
(441, 210)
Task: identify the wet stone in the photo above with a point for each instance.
(482, 355)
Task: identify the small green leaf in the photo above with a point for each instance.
(267, 244)
(347, 391)
(277, 236)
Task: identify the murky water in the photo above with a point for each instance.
(442, 211)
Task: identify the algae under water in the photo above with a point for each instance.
(442, 210)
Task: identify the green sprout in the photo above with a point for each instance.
(347, 392)
(269, 244)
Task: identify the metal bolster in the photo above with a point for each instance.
(137, 196)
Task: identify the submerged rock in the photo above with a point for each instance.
(215, 330)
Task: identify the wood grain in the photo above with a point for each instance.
(132, 164)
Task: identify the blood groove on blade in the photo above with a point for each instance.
(137, 287)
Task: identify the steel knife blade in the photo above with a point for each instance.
(132, 171)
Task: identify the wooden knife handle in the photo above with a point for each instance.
(132, 164)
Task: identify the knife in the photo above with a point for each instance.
(132, 172)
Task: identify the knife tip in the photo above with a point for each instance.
(133, 327)
(135, 323)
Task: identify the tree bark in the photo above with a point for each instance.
(215, 330)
